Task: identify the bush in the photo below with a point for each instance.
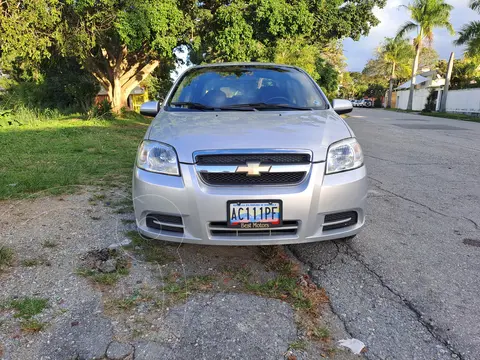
(377, 103)
(431, 103)
(102, 109)
(63, 85)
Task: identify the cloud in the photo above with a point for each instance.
(391, 18)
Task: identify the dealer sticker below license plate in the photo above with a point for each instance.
(254, 214)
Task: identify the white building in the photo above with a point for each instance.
(425, 82)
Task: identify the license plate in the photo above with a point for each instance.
(258, 214)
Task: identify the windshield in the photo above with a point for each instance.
(245, 88)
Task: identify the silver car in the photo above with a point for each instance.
(248, 154)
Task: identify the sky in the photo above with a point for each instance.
(391, 18)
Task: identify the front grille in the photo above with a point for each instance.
(340, 220)
(164, 222)
(284, 178)
(240, 159)
(220, 228)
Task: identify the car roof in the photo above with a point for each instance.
(252, 64)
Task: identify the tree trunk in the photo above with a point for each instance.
(119, 97)
(412, 80)
(390, 87)
(120, 77)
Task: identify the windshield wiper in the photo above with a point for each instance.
(192, 105)
(262, 105)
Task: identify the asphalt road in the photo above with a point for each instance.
(409, 284)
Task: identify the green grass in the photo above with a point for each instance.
(129, 302)
(399, 110)
(34, 262)
(27, 307)
(6, 257)
(127, 221)
(452, 116)
(50, 244)
(298, 345)
(321, 333)
(184, 287)
(151, 250)
(443, 115)
(282, 287)
(56, 156)
(31, 325)
(103, 278)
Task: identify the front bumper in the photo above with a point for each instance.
(200, 205)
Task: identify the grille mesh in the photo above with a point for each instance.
(243, 179)
(240, 159)
(238, 232)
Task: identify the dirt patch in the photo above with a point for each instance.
(95, 271)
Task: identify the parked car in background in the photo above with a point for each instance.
(248, 154)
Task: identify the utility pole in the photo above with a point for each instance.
(443, 103)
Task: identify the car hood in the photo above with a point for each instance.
(189, 131)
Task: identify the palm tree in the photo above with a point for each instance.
(470, 33)
(395, 52)
(426, 15)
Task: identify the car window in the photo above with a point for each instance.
(224, 86)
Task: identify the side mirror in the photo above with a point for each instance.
(341, 106)
(150, 108)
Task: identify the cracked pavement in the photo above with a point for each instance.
(408, 285)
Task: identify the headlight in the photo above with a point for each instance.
(157, 157)
(344, 155)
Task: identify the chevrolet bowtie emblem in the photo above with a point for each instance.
(253, 169)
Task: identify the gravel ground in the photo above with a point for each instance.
(187, 303)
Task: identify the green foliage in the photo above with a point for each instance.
(377, 103)
(431, 102)
(375, 90)
(101, 110)
(297, 51)
(62, 84)
(121, 43)
(427, 15)
(428, 58)
(470, 33)
(465, 73)
(337, 19)
(360, 83)
(29, 29)
(396, 53)
(160, 82)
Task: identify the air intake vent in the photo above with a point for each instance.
(340, 220)
(164, 222)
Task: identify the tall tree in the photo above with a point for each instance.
(395, 52)
(426, 15)
(28, 31)
(119, 42)
(470, 33)
(122, 42)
